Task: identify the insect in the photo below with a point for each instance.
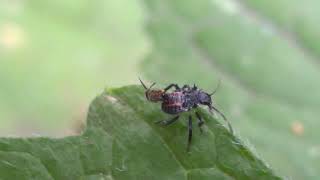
(182, 100)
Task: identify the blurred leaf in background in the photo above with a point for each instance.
(270, 83)
(55, 56)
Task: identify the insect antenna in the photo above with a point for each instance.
(216, 89)
(223, 116)
(145, 87)
(152, 85)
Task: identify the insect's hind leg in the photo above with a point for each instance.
(201, 122)
(190, 133)
(168, 122)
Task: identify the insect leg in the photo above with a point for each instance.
(190, 133)
(170, 86)
(186, 87)
(224, 118)
(201, 122)
(167, 122)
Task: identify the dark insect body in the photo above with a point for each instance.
(182, 100)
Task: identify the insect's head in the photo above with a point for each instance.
(205, 98)
(153, 95)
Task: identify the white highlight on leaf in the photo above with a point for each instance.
(111, 99)
(228, 6)
(8, 163)
(36, 134)
(123, 166)
(109, 177)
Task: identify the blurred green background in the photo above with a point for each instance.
(56, 56)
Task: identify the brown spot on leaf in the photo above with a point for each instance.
(297, 128)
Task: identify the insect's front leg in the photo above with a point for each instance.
(186, 87)
(223, 116)
(171, 86)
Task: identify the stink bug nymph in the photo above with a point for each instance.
(182, 100)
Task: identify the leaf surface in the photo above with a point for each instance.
(122, 141)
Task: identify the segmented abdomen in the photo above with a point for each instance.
(172, 103)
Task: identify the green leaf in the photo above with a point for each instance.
(268, 82)
(122, 141)
(67, 158)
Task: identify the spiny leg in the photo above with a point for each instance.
(168, 122)
(186, 87)
(190, 133)
(224, 118)
(170, 86)
(194, 87)
(201, 122)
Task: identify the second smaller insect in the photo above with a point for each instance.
(182, 100)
